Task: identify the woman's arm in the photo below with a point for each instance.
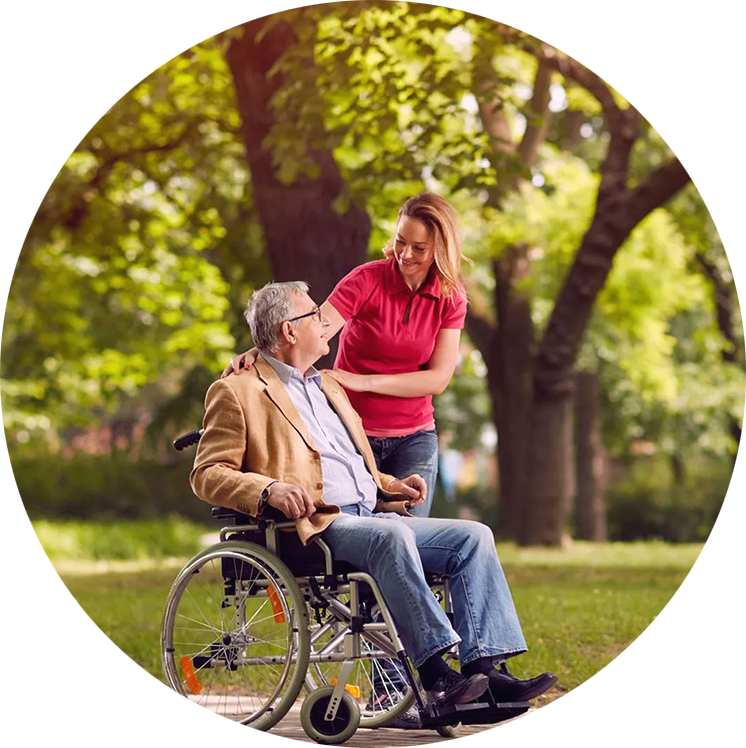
(333, 317)
(431, 381)
(336, 323)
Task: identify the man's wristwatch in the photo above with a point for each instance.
(264, 497)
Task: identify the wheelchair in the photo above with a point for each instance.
(255, 618)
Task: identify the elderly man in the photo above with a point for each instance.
(285, 436)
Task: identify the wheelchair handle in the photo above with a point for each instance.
(186, 440)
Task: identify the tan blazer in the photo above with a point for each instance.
(253, 435)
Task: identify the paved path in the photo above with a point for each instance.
(515, 733)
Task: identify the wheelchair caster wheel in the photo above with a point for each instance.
(338, 730)
(448, 731)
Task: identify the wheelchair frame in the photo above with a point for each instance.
(305, 583)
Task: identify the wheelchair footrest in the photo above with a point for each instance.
(476, 713)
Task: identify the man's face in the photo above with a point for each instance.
(311, 331)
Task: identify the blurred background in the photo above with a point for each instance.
(597, 405)
(159, 160)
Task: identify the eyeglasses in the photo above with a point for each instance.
(316, 312)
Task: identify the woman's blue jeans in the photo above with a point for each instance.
(401, 456)
(397, 551)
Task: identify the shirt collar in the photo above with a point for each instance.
(287, 372)
(395, 283)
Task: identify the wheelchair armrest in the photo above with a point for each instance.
(232, 516)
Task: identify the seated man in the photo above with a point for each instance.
(285, 436)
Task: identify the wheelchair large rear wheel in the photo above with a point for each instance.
(235, 636)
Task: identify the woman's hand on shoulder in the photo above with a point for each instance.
(243, 360)
(350, 381)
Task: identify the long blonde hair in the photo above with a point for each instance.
(441, 219)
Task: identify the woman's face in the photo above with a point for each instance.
(413, 248)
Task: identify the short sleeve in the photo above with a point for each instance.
(454, 312)
(352, 291)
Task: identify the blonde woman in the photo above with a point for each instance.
(401, 319)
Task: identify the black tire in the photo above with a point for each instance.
(333, 732)
(448, 731)
(374, 711)
(234, 637)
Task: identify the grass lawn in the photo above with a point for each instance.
(626, 626)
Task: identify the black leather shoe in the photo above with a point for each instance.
(454, 688)
(506, 687)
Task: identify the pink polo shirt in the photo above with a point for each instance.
(390, 330)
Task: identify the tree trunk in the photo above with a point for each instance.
(739, 436)
(724, 304)
(678, 471)
(306, 238)
(551, 473)
(510, 384)
(590, 498)
(573, 120)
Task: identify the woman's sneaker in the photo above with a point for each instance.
(410, 720)
(454, 688)
(382, 702)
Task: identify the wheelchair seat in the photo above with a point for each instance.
(302, 560)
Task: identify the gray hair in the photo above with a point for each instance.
(268, 308)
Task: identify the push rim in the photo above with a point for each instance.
(235, 634)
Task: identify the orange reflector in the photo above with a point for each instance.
(191, 677)
(274, 600)
(352, 690)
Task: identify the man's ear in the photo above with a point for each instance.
(288, 333)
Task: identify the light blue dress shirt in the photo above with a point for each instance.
(345, 476)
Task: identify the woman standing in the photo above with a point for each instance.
(401, 319)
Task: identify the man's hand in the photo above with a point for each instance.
(293, 501)
(413, 487)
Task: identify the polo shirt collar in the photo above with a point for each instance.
(395, 283)
(287, 372)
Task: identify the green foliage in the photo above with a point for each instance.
(617, 621)
(106, 488)
(139, 252)
(127, 296)
(647, 503)
(167, 537)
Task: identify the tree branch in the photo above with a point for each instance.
(723, 306)
(536, 127)
(496, 125)
(659, 187)
(587, 78)
(75, 217)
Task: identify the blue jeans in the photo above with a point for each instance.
(401, 456)
(397, 551)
